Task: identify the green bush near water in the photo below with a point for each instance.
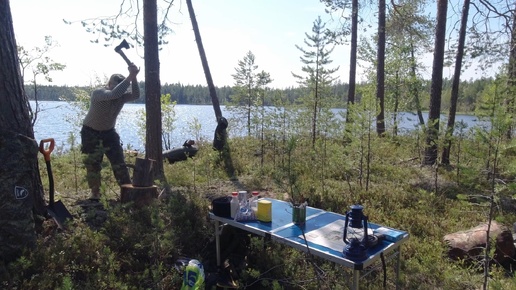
(135, 248)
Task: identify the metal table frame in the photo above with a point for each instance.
(282, 230)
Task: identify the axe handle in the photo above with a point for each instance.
(124, 57)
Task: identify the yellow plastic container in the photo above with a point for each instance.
(264, 212)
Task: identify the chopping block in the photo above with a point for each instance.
(141, 191)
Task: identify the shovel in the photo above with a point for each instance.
(56, 210)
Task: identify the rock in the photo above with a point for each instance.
(469, 245)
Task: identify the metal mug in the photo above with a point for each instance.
(299, 214)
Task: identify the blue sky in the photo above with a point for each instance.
(229, 28)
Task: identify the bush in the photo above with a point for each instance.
(120, 246)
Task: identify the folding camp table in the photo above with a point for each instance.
(321, 236)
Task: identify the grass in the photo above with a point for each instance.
(124, 247)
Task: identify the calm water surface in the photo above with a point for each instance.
(59, 120)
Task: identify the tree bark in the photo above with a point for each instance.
(352, 58)
(219, 141)
(21, 190)
(432, 132)
(220, 138)
(139, 196)
(468, 246)
(396, 96)
(509, 101)
(204, 60)
(153, 142)
(380, 72)
(414, 85)
(143, 172)
(445, 158)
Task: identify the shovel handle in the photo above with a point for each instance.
(50, 148)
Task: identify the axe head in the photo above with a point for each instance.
(123, 44)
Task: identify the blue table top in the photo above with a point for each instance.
(281, 216)
(323, 232)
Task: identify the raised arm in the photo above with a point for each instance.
(135, 88)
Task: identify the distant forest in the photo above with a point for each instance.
(470, 92)
(182, 94)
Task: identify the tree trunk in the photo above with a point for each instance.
(316, 101)
(249, 115)
(397, 85)
(21, 191)
(468, 246)
(153, 142)
(220, 138)
(380, 72)
(220, 135)
(432, 132)
(445, 159)
(352, 58)
(204, 61)
(414, 86)
(511, 83)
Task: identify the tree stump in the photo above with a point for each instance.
(141, 191)
(140, 196)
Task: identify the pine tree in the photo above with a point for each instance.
(317, 79)
(250, 87)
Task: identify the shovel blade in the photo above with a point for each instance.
(59, 213)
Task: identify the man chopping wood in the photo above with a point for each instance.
(98, 134)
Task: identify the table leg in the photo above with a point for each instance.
(398, 263)
(217, 241)
(356, 277)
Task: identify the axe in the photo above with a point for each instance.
(118, 49)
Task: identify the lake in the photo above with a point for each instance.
(59, 119)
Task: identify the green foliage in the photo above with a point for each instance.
(194, 129)
(80, 105)
(316, 81)
(168, 118)
(249, 92)
(38, 63)
(128, 247)
(142, 124)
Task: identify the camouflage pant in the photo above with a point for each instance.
(18, 178)
(97, 143)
